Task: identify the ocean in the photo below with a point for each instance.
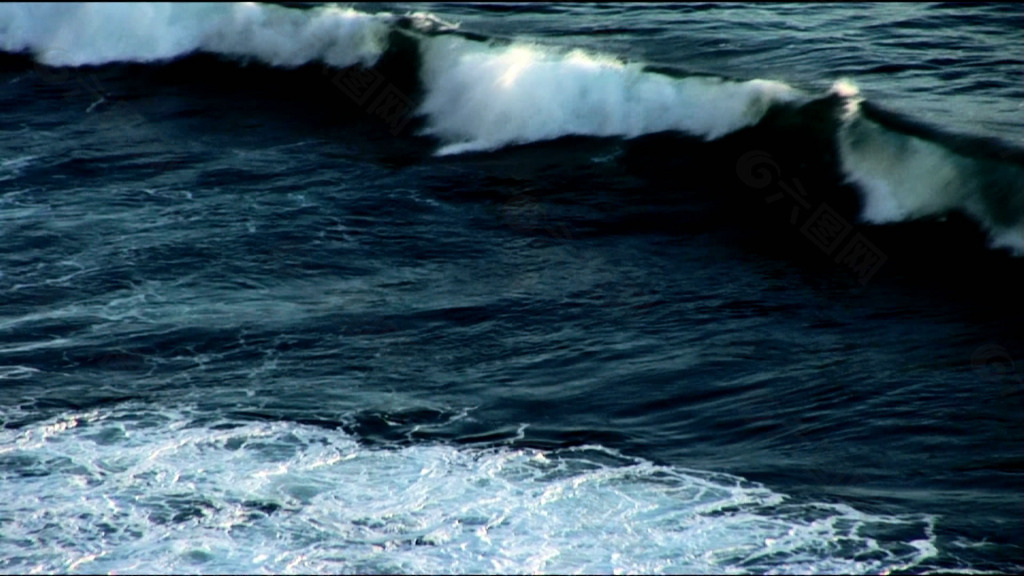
(512, 288)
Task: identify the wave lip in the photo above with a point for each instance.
(906, 176)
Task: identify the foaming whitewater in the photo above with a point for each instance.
(90, 34)
(173, 490)
(905, 177)
(483, 97)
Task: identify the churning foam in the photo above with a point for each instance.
(483, 97)
(148, 490)
(100, 33)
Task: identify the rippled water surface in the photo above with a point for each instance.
(534, 323)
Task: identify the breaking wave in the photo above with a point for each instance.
(481, 94)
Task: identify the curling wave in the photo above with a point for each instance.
(904, 175)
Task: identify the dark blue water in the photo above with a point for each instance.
(293, 289)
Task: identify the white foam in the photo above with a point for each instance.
(100, 33)
(144, 490)
(483, 97)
